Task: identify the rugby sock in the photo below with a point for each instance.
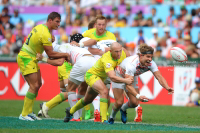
(96, 103)
(28, 100)
(136, 110)
(32, 104)
(137, 107)
(114, 112)
(87, 107)
(55, 101)
(72, 101)
(125, 106)
(103, 108)
(80, 110)
(80, 104)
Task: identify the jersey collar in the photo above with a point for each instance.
(112, 57)
(46, 27)
(95, 34)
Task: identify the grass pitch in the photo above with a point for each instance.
(155, 119)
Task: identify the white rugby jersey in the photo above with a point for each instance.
(55, 48)
(75, 52)
(131, 66)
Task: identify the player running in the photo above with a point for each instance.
(132, 67)
(95, 76)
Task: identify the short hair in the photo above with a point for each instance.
(143, 48)
(91, 24)
(100, 18)
(53, 15)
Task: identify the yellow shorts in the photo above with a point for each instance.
(28, 64)
(91, 78)
(64, 71)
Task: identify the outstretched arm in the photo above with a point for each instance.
(163, 82)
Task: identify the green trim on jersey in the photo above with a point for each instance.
(95, 34)
(88, 75)
(46, 27)
(104, 100)
(62, 96)
(68, 66)
(112, 57)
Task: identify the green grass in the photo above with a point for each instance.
(155, 119)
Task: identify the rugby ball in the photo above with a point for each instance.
(178, 54)
(194, 97)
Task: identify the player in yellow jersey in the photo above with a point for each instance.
(39, 39)
(95, 77)
(99, 33)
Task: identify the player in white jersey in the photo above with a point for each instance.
(81, 60)
(132, 67)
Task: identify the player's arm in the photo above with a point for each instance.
(111, 74)
(95, 51)
(53, 54)
(87, 43)
(132, 90)
(163, 82)
(54, 62)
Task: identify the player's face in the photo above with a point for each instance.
(146, 59)
(55, 23)
(116, 52)
(101, 26)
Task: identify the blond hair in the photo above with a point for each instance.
(91, 24)
(100, 17)
(143, 48)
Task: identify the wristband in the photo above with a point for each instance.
(81, 44)
(138, 96)
(44, 59)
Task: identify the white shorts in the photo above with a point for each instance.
(80, 68)
(123, 85)
(107, 82)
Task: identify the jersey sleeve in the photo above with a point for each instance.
(130, 70)
(86, 33)
(63, 48)
(112, 37)
(107, 65)
(154, 67)
(46, 39)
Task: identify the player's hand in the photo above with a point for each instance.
(129, 81)
(73, 43)
(67, 58)
(53, 38)
(143, 99)
(39, 57)
(170, 90)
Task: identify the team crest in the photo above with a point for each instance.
(49, 39)
(108, 65)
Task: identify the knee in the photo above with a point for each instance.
(134, 103)
(104, 92)
(119, 103)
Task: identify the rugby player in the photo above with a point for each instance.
(38, 40)
(95, 77)
(132, 67)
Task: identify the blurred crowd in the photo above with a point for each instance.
(12, 37)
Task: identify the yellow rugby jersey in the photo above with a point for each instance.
(92, 34)
(39, 36)
(105, 64)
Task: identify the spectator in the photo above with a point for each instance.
(167, 36)
(5, 10)
(160, 23)
(179, 22)
(135, 22)
(62, 32)
(6, 22)
(128, 15)
(121, 23)
(99, 12)
(16, 18)
(68, 22)
(92, 15)
(5, 3)
(164, 47)
(141, 20)
(180, 39)
(149, 22)
(17, 40)
(187, 41)
(196, 18)
(140, 38)
(170, 19)
(154, 17)
(153, 42)
(85, 21)
(131, 46)
(119, 39)
(114, 20)
(194, 94)
(6, 48)
(77, 21)
(157, 52)
(4, 41)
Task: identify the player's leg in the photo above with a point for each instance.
(81, 93)
(31, 72)
(63, 74)
(118, 89)
(89, 97)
